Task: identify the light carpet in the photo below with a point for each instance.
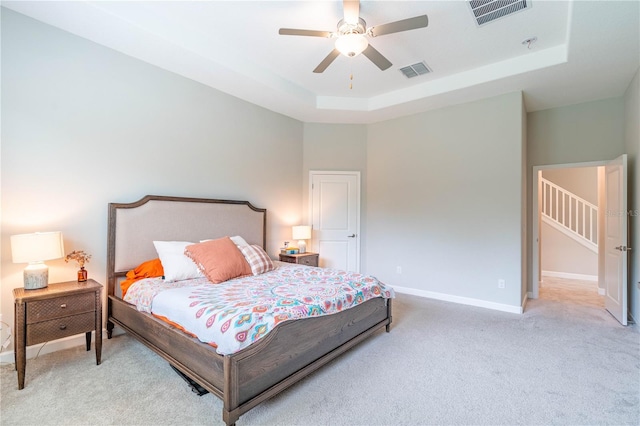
(442, 364)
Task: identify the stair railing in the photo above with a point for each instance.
(570, 214)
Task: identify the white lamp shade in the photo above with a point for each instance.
(351, 44)
(36, 247)
(301, 232)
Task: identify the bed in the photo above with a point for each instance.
(243, 379)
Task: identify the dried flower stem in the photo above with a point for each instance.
(79, 256)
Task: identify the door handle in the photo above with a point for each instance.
(623, 248)
(351, 236)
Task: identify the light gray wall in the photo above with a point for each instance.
(444, 200)
(83, 125)
(336, 147)
(632, 146)
(526, 210)
(592, 131)
(561, 254)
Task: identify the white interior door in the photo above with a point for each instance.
(335, 217)
(615, 264)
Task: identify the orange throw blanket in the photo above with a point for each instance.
(149, 269)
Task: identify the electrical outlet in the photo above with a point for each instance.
(501, 283)
(398, 269)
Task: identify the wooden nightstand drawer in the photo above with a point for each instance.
(309, 259)
(60, 327)
(58, 307)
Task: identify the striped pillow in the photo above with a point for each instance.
(257, 259)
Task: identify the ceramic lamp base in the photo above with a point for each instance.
(302, 246)
(36, 276)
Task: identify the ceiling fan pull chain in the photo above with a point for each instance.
(351, 74)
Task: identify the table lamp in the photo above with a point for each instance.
(35, 249)
(301, 233)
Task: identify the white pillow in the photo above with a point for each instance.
(239, 241)
(176, 265)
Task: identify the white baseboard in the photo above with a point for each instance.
(570, 276)
(601, 292)
(461, 300)
(55, 345)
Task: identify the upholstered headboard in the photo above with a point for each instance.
(134, 226)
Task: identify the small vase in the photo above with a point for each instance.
(82, 274)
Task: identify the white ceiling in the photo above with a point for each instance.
(585, 50)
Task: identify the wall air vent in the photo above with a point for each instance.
(485, 11)
(415, 70)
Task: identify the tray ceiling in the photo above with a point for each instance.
(584, 50)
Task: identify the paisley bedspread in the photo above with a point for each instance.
(238, 312)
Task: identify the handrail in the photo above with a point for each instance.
(573, 213)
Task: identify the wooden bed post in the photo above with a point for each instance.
(230, 395)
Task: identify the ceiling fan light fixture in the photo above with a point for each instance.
(351, 44)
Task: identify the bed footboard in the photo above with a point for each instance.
(294, 350)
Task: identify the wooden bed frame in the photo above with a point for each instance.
(246, 378)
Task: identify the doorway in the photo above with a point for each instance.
(568, 235)
(550, 272)
(334, 207)
(612, 232)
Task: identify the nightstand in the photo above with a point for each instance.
(309, 259)
(54, 312)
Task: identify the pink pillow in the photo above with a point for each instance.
(257, 259)
(219, 260)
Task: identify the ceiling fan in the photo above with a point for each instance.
(351, 36)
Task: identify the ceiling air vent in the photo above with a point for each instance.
(415, 70)
(486, 11)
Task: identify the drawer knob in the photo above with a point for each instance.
(63, 327)
(64, 305)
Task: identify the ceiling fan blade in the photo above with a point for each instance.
(403, 25)
(310, 33)
(327, 61)
(377, 58)
(351, 11)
